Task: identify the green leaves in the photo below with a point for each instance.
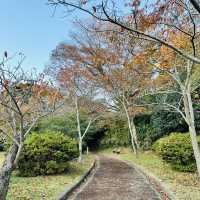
(176, 149)
(47, 153)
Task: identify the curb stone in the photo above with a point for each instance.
(64, 195)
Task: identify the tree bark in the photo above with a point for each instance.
(195, 147)
(132, 132)
(6, 171)
(133, 143)
(80, 147)
(192, 131)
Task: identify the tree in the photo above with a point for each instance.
(144, 20)
(24, 99)
(107, 64)
(173, 70)
(168, 26)
(78, 90)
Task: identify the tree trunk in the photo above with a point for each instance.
(6, 171)
(133, 143)
(195, 147)
(79, 130)
(132, 134)
(18, 154)
(80, 147)
(192, 131)
(190, 120)
(134, 131)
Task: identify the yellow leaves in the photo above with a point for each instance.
(135, 110)
(54, 96)
(180, 40)
(165, 56)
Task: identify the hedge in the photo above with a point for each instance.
(46, 153)
(176, 149)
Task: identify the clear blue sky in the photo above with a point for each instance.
(28, 26)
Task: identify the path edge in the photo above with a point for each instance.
(64, 195)
(151, 177)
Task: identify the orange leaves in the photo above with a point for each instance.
(40, 90)
(135, 110)
(44, 91)
(166, 56)
(54, 96)
(180, 40)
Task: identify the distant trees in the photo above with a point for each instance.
(24, 99)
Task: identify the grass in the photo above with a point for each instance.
(45, 187)
(185, 186)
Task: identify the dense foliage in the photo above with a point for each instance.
(157, 124)
(176, 150)
(117, 133)
(67, 125)
(46, 153)
(53, 123)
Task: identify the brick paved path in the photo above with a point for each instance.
(116, 180)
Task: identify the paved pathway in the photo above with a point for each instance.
(116, 180)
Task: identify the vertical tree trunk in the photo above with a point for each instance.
(133, 143)
(192, 130)
(80, 147)
(132, 133)
(6, 171)
(195, 147)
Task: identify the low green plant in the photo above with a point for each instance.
(176, 149)
(46, 153)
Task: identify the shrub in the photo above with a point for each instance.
(52, 124)
(176, 150)
(46, 153)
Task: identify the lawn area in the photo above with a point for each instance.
(185, 186)
(45, 187)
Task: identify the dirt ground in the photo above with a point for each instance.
(116, 180)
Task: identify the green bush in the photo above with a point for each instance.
(52, 124)
(176, 150)
(46, 153)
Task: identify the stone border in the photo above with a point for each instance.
(64, 195)
(156, 183)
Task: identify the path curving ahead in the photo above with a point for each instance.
(116, 180)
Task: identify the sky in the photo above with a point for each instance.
(29, 26)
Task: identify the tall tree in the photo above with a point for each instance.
(24, 99)
(170, 26)
(78, 90)
(106, 59)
